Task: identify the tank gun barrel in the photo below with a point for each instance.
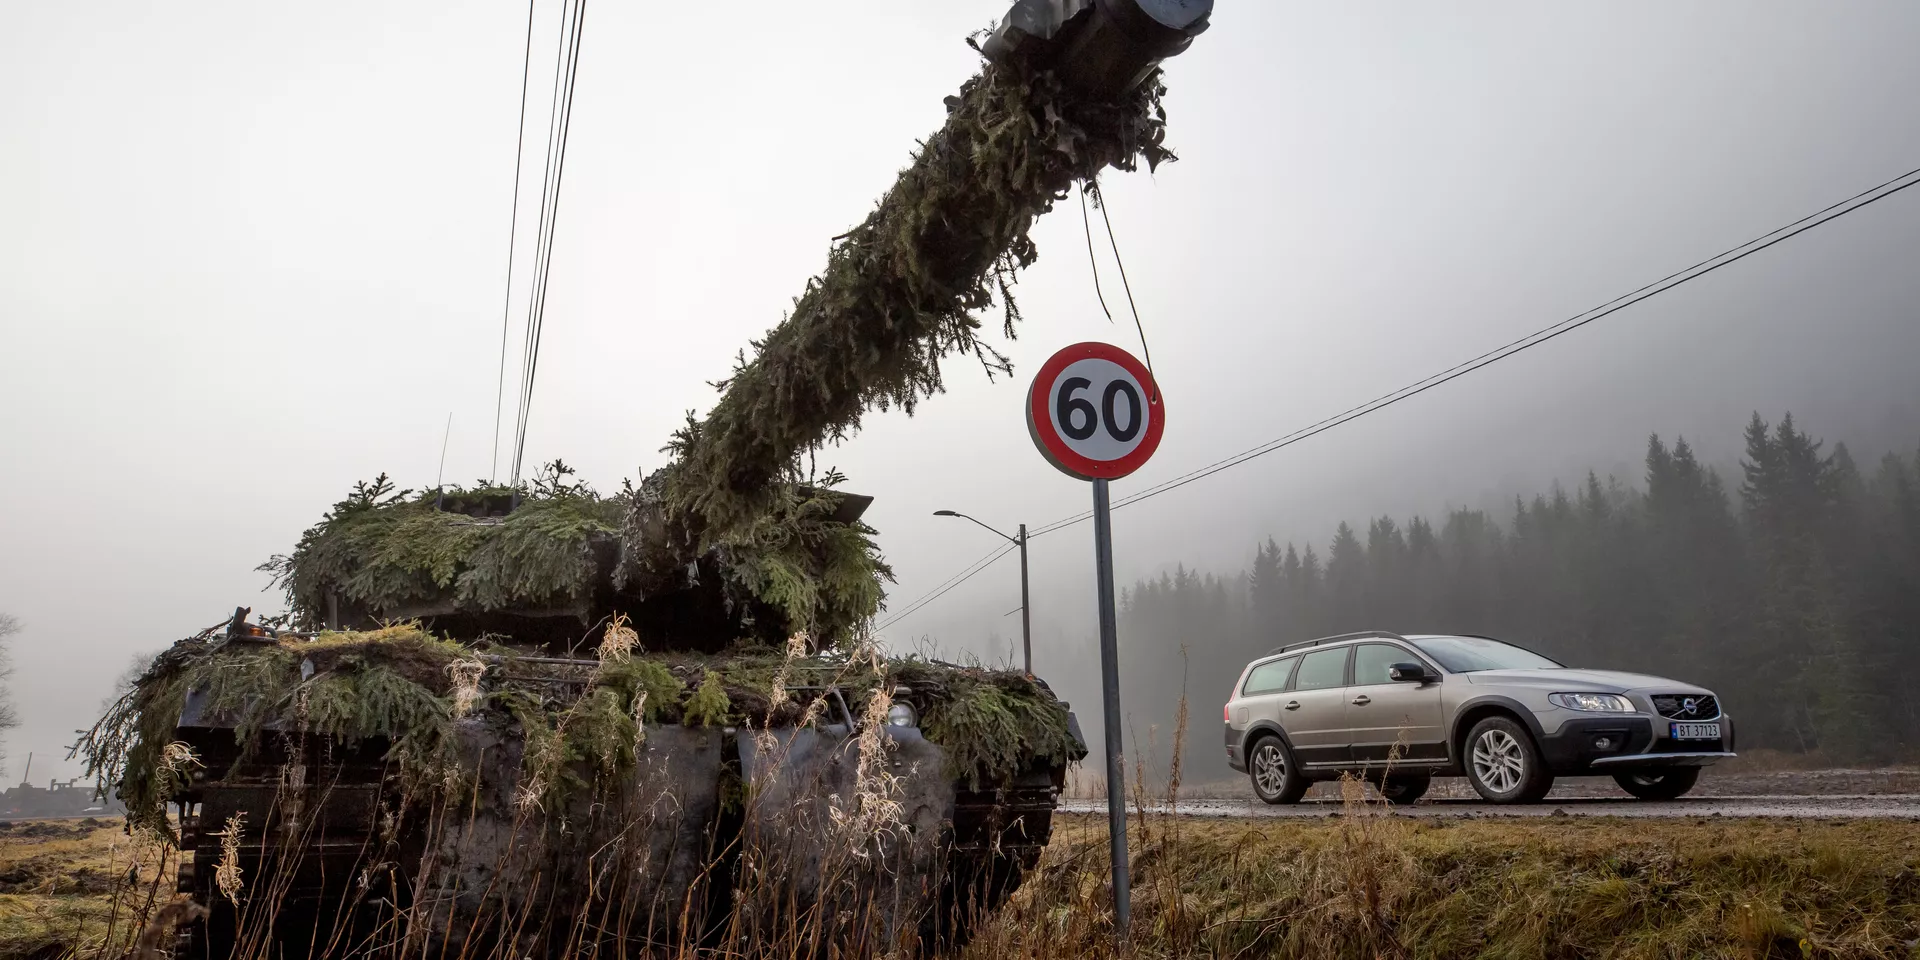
(1100, 48)
(1068, 88)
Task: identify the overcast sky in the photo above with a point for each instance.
(250, 254)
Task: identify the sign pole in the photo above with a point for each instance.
(1110, 701)
(1095, 413)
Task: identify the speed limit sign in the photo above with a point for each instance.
(1095, 412)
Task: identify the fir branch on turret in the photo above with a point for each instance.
(905, 288)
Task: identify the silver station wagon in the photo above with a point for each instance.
(1399, 711)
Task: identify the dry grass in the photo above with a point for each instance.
(1363, 883)
(1370, 884)
(75, 887)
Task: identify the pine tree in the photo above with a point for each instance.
(1347, 581)
(1267, 587)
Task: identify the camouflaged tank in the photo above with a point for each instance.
(480, 732)
(538, 721)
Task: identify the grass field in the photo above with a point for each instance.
(1370, 885)
(59, 881)
(1362, 883)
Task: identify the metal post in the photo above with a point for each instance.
(1110, 701)
(1026, 605)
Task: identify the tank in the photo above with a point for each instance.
(496, 726)
(535, 720)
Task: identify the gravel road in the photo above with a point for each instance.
(1900, 806)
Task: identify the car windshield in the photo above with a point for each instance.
(1468, 654)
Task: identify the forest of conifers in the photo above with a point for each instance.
(1792, 590)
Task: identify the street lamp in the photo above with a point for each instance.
(1026, 617)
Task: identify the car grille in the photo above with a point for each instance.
(1674, 706)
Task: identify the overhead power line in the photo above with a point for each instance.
(572, 18)
(513, 234)
(1534, 339)
(951, 582)
(1697, 270)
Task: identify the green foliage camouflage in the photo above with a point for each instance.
(824, 575)
(709, 704)
(903, 288)
(388, 684)
(395, 685)
(385, 550)
(390, 552)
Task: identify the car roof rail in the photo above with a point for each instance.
(1334, 639)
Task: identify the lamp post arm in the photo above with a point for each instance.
(1013, 540)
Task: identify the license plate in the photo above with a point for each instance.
(1696, 731)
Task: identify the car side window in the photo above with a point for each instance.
(1268, 677)
(1373, 662)
(1322, 669)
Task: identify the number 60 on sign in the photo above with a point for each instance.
(1095, 412)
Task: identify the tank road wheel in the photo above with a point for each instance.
(1503, 763)
(1669, 784)
(1275, 778)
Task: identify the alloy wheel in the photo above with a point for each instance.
(1270, 768)
(1498, 761)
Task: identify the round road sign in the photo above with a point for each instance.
(1095, 412)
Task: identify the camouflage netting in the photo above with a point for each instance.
(384, 550)
(405, 687)
(390, 554)
(902, 289)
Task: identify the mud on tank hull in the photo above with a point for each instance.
(717, 835)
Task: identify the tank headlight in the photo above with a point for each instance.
(901, 715)
(1591, 702)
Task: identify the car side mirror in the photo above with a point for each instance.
(1409, 673)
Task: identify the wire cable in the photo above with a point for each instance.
(1575, 322)
(559, 125)
(513, 232)
(527, 333)
(531, 328)
(1100, 201)
(1086, 225)
(951, 582)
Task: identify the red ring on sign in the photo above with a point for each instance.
(1054, 447)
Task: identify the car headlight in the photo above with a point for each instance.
(1592, 702)
(901, 715)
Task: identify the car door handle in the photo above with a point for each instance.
(1293, 704)
(1362, 700)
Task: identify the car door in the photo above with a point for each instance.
(1381, 712)
(1313, 711)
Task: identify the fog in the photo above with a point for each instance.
(249, 255)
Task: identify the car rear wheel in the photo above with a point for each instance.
(1668, 784)
(1503, 764)
(1403, 788)
(1270, 766)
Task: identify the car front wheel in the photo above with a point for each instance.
(1503, 764)
(1271, 768)
(1669, 784)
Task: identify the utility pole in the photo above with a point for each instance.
(1026, 606)
(1026, 613)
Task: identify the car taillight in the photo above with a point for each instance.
(1226, 713)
